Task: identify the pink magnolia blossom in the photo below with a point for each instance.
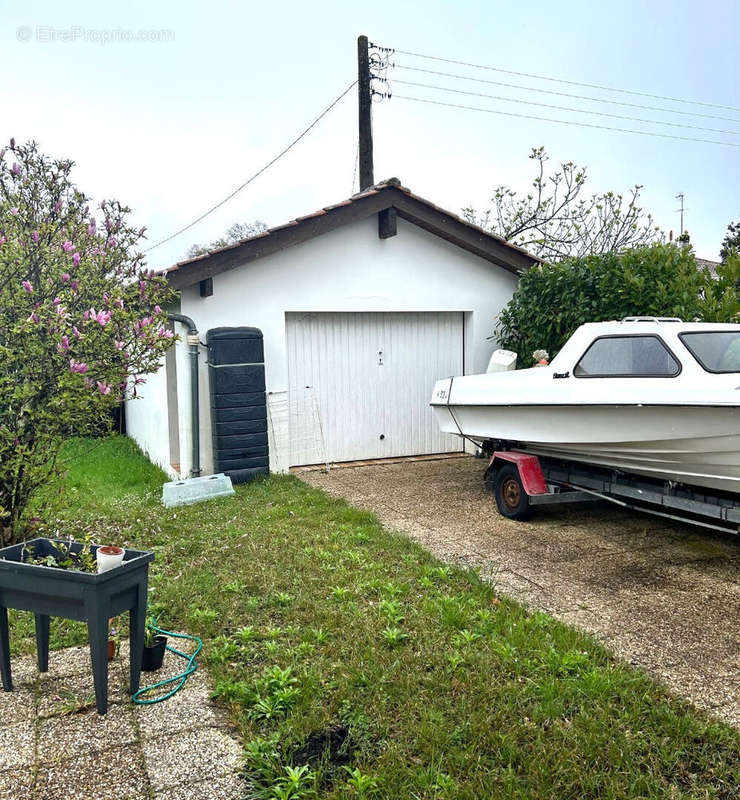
(65, 277)
(102, 317)
(33, 317)
(16, 169)
(111, 241)
(57, 301)
(63, 345)
(103, 387)
(76, 332)
(27, 286)
(164, 333)
(119, 344)
(14, 211)
(3, 239)
(68, 247)
(76, 259)
(57, 206)
(74, 285)
(79, 367)
(88, 383)
(157, 310)
(35, 237)
(86, 315)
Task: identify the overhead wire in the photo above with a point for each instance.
(256, 174)
(569, 95)
(565, 108)
(598, 86)
(565, 122)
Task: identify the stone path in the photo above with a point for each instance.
(55, 746)
(665, 597)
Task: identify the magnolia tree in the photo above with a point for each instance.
(81, 321)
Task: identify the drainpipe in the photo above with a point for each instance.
(193, 341)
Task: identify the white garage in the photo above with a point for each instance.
(361, 307)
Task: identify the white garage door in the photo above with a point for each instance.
(360, 383)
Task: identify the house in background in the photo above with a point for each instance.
(362, 307)
(705, 263)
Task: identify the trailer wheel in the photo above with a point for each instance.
(511, 499)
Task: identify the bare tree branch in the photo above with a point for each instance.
(555, 221)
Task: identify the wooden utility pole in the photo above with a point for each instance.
(364, 104)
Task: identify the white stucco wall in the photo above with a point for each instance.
(349, 269)
(146, 419)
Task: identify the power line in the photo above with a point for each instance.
(566, 108)
(256, 174)
(566, 94)
(565, 121)
(570, 83)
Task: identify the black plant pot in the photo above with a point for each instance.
(154, 655)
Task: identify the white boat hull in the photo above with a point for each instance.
(670, 418)
(697, 445)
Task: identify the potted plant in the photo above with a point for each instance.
(155, 645)
(109, 556)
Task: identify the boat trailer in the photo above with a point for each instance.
(522, 481)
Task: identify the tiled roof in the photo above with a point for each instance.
(387, 194)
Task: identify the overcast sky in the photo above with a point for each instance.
(170, 127)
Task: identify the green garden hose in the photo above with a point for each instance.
(179, 679)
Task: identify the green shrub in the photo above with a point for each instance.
(552, 300)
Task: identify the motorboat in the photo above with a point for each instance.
(648, 396)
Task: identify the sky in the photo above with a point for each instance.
(173, 124)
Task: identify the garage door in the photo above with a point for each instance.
(360, 383)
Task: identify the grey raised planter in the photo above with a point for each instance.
(90, 597)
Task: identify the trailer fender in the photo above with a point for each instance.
(530, 471)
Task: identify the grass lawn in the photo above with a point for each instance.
(356, 665)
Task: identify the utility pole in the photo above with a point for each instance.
(679, 196)
(364, 104)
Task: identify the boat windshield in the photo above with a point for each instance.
(716, 351)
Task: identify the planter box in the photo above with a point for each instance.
(89, 597)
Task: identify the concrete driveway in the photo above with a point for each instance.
(662, 596)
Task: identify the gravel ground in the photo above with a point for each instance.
(663, 597)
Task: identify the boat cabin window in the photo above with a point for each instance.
(716, 351)
(627, 357)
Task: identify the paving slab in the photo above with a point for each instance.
(17, 745)
(175, 759)
(17, 784)
(18, 705)
(663, 596)
(55, 746)
(88, 732)
(224, 786)
(116, 774)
